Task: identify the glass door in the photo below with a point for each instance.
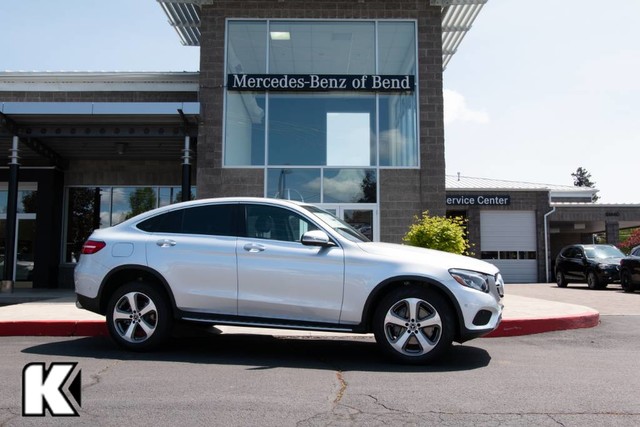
(25, 249)
(362, 218)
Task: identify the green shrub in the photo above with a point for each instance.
(438, 232)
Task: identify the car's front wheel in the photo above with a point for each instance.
(561, 281)
(593, 282)
(625, 281)
(414, 325)
(138, 316)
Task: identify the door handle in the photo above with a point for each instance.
(253, 247)
(165, 243)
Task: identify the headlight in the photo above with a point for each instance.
(606, 266)
(471, 279)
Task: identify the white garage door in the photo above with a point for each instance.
(509, 241)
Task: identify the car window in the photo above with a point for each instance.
(608, 252)
(170, 222)
(275, 223)
(636, 252)
(591, 253)
(214, 220)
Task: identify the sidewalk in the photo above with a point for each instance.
(53, 313)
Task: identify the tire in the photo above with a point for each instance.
(625, 281)
(414, 325)
(139, 316)
(561, 281)
(592, 281)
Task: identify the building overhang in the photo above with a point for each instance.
(457, 18)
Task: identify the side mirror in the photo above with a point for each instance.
(316, 238)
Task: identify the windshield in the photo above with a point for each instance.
(603, 252)
(341, 227)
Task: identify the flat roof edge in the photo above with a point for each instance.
(99, 81)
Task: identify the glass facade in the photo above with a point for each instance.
(321, 146)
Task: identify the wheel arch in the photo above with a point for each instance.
(390, 284)
(130, 273)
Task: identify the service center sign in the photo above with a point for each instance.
(320, 82)
(480, 200)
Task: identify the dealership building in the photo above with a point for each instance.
(335, 103)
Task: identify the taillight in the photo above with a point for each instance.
(92, 246)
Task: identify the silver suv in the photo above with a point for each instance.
(280, 264)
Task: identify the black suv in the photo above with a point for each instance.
(598, 265)
(630, 271)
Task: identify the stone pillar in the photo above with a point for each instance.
(613, 232)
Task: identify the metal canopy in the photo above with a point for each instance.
(54, 139)
(457, 18)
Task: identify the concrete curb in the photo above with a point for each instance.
(518, 327)
(93, 328)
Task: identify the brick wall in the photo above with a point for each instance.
(403, 193)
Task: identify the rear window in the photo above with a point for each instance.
(215, 220)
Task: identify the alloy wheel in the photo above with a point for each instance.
(413, 327)
(135, 317)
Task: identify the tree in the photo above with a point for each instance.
(437, 232)
(632, 241)
(582, 178)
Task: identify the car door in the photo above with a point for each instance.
(574, 263)
(195, 251)
(279, 277)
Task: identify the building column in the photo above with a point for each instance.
(186, 170)
(613, 232)
(12, 219)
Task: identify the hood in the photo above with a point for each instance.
(610, 261)
(428, 256)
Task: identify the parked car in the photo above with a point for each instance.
(597, 265)
(630, 271)
(274, 263)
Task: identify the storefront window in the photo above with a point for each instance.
(336, 127)
(303, 185)
(396, 48)
(244, 131)
(322, 130)
(322, 47)
(27, 201)
(349, 186)
(398, 138)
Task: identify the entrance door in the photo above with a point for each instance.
(25, 249)
(362, 218)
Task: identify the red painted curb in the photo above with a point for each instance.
(54, 328)
(516, 327)
(93, 328)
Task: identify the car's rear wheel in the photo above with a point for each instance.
(561, 281)
(592, 281)
(625, 281)
(138, 316)
(414, 325)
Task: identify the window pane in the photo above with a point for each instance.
(83, 216)
(361, 220)
(270, 222)
(398, 139)
(298, 128)
(322, 48)
(247, 47)
(350, 186)
(396, 48)
(214, 220)
(244, 129)
(294, 184)
(129, 202)
(170, 222)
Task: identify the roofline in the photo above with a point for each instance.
(77, 81)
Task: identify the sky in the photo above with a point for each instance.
(536, 89)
